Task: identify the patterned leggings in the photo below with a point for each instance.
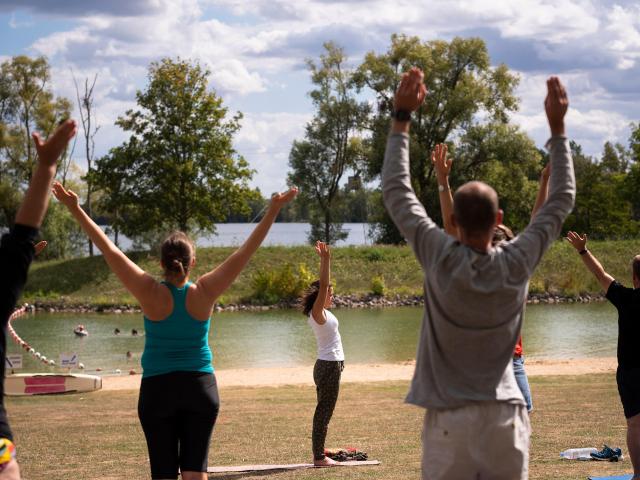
(326, 375)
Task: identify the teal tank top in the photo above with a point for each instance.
(179, 343)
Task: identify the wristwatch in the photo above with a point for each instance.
(401, 115)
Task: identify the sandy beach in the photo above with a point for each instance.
(276, 376)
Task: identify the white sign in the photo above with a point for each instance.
(13, 360)
(68, 360)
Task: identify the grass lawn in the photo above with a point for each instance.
(89, 281)
(97, 436)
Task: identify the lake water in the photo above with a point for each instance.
(283, 338)
(234, 234)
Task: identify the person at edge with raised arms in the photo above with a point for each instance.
(442, 165)
(178, 403)
(16, 254)
(476, 425)
(627, 302)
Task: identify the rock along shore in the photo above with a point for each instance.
(340, 301)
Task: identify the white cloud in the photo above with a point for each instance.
(265, 142)
(255, 50)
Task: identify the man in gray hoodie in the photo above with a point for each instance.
(477, 424)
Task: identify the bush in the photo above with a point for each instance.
(377, 286)
(286, 283)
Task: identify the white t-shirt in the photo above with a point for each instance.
(327, 338)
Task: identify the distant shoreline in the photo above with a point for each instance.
(340, 301)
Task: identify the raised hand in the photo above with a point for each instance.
(578, 242)
(556, 105)
(440, 162)
(411, 91)
(38, 247)
(323, 250)
(67, 197)
(50, 150)
(278, 200)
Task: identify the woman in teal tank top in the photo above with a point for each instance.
(178, 402)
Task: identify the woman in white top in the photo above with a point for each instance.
(330, 362)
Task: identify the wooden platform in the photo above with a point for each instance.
(292, 466)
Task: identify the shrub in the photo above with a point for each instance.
(377, 286)
(286, 283)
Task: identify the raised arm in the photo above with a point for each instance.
(543, 190)
(36, 199)
(325, 283)
(141, 285)
(442, 166)
(211, 285)
(409, 215)
(590, 261)
(545, 226)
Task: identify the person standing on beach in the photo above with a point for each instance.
(178, 402)
(476, 425)
(627, 302)
(16, 254)
(330, 363)
(442, 166)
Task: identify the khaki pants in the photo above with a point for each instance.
(476, 442)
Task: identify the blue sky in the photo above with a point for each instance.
(256, 51)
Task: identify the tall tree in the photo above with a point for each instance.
(182, 170)
(464, 90)
(331, 145)
(30, 106)
(89, 129)
(26, 105)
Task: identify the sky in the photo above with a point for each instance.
(256, 51)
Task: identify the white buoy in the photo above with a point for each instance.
(43, 358)
(81, 366)
(38, 355)
(52, 362)
(32, 351)
(118, 371)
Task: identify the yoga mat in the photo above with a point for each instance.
(619, 477)
(293, 466)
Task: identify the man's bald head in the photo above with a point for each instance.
(475, 207)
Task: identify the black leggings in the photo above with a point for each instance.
(326, 375)
(177, 411)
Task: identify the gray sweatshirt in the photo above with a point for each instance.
(474, 302)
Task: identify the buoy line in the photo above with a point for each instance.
(17, 313)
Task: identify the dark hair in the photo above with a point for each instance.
(176, 254)
(636, 266)
(309, 297)
(502, 233)
(475, 206)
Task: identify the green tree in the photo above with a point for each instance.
(30, 106)
(332, 144)
(181, 169)
(464, 91)
(602, 208)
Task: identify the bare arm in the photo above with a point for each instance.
(211, 285)
(442, 165)
(543, 191)
(141, 285)
(36, 199)
(325, 283)
(590, 261)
